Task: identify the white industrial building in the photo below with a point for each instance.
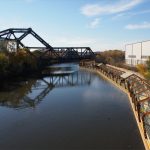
(137, 53)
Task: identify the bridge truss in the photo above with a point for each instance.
(47, 51)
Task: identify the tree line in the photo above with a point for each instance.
(113, 57)
(16, 63)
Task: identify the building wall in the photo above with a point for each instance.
(128, 54)
(137, 53)
(145, 49)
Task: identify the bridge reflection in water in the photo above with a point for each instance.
(31, 92)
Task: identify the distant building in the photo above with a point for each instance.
(137, 53)
(6, 45)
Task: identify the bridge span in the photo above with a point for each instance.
(47, 52)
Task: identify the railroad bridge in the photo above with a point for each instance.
(47, 52)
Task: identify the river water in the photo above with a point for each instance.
(67, 109)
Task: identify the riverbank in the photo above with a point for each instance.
(146, 141)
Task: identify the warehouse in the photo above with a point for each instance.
(137, 53)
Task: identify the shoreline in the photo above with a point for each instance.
(139, 124)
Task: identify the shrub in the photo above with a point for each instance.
(142, 69)
(22, 62)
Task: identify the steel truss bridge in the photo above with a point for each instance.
(47, 51)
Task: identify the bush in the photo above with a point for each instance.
(17, 63)
(144, 69)
(22, 62)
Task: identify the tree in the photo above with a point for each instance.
(112, 57)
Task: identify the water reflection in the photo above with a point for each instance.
(60, 69)
(29, 93)
(78, 110)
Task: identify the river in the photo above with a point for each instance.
(66, 109)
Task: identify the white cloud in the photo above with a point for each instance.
(97, 9)
(144, 25)
(94, 23)
(130, 14)
(120, 15)
(92, 10)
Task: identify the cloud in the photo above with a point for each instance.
(94, 24)
(120, 15)
(130, 14)
(97, 9)
(144, 25)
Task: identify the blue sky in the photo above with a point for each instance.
(99, 24)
